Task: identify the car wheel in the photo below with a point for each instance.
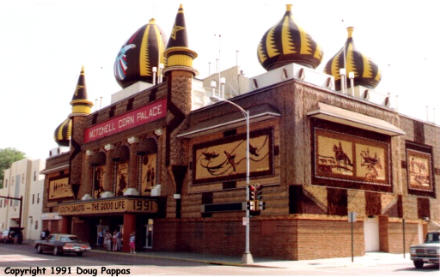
(39, 249)
(418, 264)
(79, 254)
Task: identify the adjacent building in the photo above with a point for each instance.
(23, 179)
(167, 162)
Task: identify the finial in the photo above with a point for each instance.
(288, 7)
(152, 21)
(82, 70)
(350, 31)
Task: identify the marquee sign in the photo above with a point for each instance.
(148, 113)
(110, 206)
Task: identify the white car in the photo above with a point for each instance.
(427, 252)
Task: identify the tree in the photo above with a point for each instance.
(7, 157)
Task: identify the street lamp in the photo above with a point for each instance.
(247, 256)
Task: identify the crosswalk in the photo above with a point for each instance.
(19, 258)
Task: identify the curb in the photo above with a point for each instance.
(174, 258)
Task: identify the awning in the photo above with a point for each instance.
(55, 169)
(148, 146)
(121, 154)
(231, 120)
(354, 119)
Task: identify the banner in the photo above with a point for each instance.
(148, 113)
(110, 206)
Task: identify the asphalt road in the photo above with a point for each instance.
(14, 258)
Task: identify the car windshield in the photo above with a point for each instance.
(432, 237)
(68, 239)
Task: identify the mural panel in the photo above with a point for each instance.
(335, 155)
(344, 157)
(148, 173)
(98, 180)
(121, 178)
(60, 188)
(419, 170)
(370, 162)
(225, 159)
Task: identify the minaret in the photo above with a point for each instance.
(179, 74)
(179, 57)
(81, 108)
(80, 104)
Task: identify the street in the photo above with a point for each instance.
(16, 259)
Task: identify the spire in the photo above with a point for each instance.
(177, 53)
(80, 104)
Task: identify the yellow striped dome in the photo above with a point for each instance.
(138, 56)
(286, 43)
(366, 73)
(63, 133)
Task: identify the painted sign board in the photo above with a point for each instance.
(110, 206)
(145, 114)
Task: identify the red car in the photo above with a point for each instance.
(59, 244)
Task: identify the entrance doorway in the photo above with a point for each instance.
(371, 234)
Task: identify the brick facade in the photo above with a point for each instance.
(302, 219)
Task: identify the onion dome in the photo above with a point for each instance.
(177, 53)
(138, 56)
(366, 73)
(63, 133)
(287, 43)
(80, 104)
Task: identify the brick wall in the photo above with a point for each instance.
(278, 237)
(395, 236)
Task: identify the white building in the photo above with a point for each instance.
(23, 179)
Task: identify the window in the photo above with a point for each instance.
(35, 176)
(36, 224)
(22, 178)
(38, 198)
(33, 198)
(1, 202)
(6, 183)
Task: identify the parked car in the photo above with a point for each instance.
(59, 244)
(4, 235)
(427, 252)
(13, 235)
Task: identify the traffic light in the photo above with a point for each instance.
(261, 205)
(251, 205)
(252, 192)
(259, 192)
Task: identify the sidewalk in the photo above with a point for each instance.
(368, 260)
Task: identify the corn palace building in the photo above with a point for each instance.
(166, 162)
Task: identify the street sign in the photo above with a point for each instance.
(351, 217)
(245, 221)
